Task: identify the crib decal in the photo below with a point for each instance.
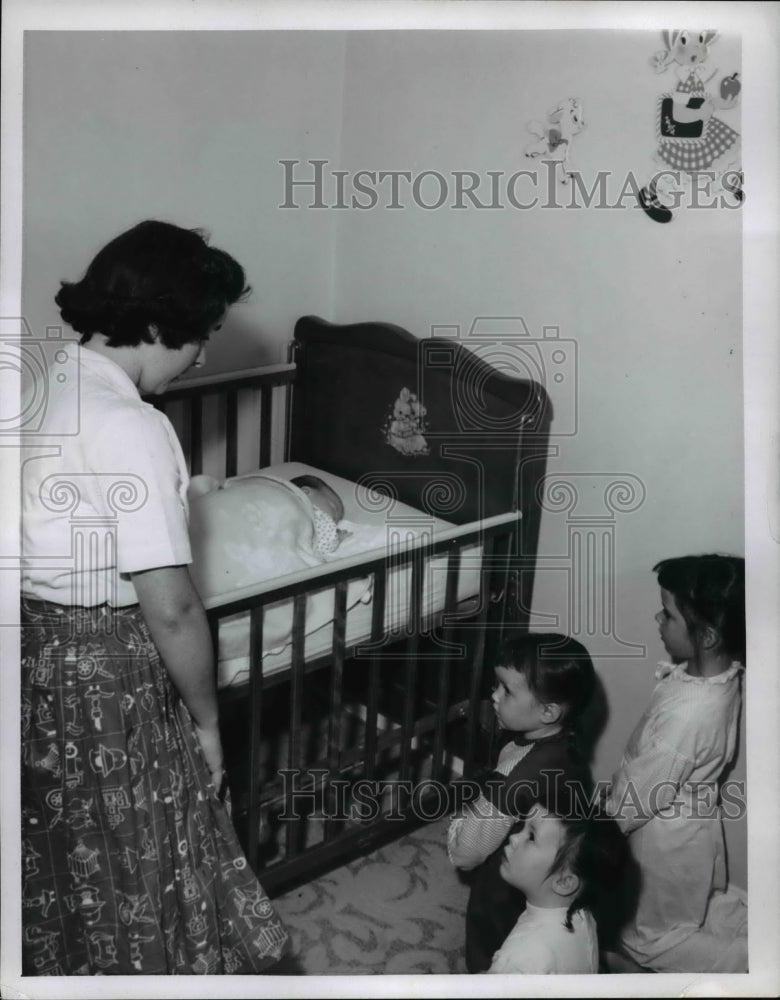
(405, 425)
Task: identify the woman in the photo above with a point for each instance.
(131, 863)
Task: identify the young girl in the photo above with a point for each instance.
(567, 868)
(544, 681)
(665, 792)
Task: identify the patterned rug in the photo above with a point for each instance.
(399, 910)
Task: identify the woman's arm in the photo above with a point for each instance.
(177, 621)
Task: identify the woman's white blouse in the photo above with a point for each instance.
(105, 501)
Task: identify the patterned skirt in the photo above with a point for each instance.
(130, 862)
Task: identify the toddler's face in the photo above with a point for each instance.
(673, 629)
(530, 853)
(515, 705)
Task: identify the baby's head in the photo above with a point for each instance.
(708, 594)
(544, 682)
(562, 858)
(322, 496)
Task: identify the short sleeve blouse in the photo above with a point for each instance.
(105, 501)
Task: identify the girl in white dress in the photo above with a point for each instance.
(666, 792)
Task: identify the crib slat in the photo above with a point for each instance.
(335, 727)
(499, 612)
(377, 631)
(196, 435)
(478, 663)
(297, 825)
(265, 426)
(445, 667)
(231, 433)
(256, 706)
(507, 583)
(411, 649)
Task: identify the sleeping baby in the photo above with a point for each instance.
(327, 508)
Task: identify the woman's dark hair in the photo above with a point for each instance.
(154, 275)
(557, 669)
(709, 591)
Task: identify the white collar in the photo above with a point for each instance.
(679, 672)
(100, 365)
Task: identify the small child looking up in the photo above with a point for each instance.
(543, 684)
(563, 867)
(665, 794)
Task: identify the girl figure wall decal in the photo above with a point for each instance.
(691, 138)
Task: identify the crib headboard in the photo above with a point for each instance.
(426, 420)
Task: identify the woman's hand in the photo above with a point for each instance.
(211, 745)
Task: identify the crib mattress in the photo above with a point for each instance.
(380, 526)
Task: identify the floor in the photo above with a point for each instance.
(398, 910)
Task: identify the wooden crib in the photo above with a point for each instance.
(349, 738)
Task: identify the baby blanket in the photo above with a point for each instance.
(251, 531)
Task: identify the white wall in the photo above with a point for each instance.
(191, 127)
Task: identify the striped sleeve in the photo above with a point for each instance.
(483, 827)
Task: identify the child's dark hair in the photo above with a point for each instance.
(557, 669)
(155, 274)
(709, 590)
(597, 852)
